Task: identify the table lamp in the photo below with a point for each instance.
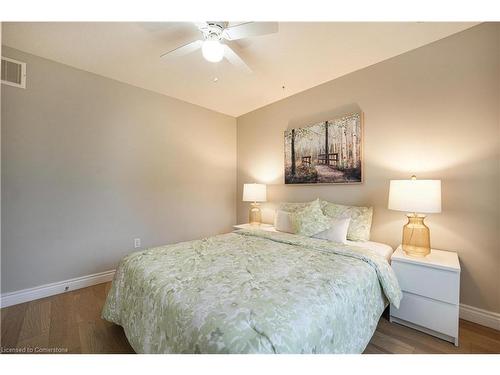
(416, 197)
(254, 193)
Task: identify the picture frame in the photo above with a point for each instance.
(307, 163)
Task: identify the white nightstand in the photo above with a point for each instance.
(266, 227)
(431, 291)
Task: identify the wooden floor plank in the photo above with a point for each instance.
(73, 321)
(391, 344)
(422, 342)
(12, 322)
(35, 344)
(374, 349)
(479, 339)
(64, 333)
(119, 343)
(482, 330)
(37, 319)
(89, 338)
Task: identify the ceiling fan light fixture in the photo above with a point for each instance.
(212, 50)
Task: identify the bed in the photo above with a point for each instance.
(251, 291)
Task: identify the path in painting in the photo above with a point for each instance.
(328, 174)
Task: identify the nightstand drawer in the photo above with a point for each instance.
(439, 284)
(436, 315)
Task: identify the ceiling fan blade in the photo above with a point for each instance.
(183, 50)
(235, 60)
(248, 29)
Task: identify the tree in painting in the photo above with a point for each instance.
(327, 152)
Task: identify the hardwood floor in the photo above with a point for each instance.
(71, 323)
(67, 323)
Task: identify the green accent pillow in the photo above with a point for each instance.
(310, 220)
(293, 207)
(361, 219)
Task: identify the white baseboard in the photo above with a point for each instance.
(30, 294)
(480, 316)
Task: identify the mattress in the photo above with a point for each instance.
(379, 248)
(251, 292)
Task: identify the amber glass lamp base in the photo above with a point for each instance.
(254, 215)
(416, 237)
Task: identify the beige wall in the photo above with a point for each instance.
(89, 163)
(433, 111)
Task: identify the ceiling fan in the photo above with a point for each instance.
(212, 43)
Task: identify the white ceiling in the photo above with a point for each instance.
(300, 56)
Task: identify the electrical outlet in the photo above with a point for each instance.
(137, 243)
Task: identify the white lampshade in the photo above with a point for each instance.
(254, 193)
(415, 196)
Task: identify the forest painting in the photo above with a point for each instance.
(326, 152)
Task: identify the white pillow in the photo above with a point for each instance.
(337, 231)
(283, 221)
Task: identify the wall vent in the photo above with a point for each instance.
(13, 72)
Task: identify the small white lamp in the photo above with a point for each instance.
(415, 197)
(254, 193)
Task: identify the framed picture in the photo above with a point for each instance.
(329, 152)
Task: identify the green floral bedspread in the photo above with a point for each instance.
(251, 292)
